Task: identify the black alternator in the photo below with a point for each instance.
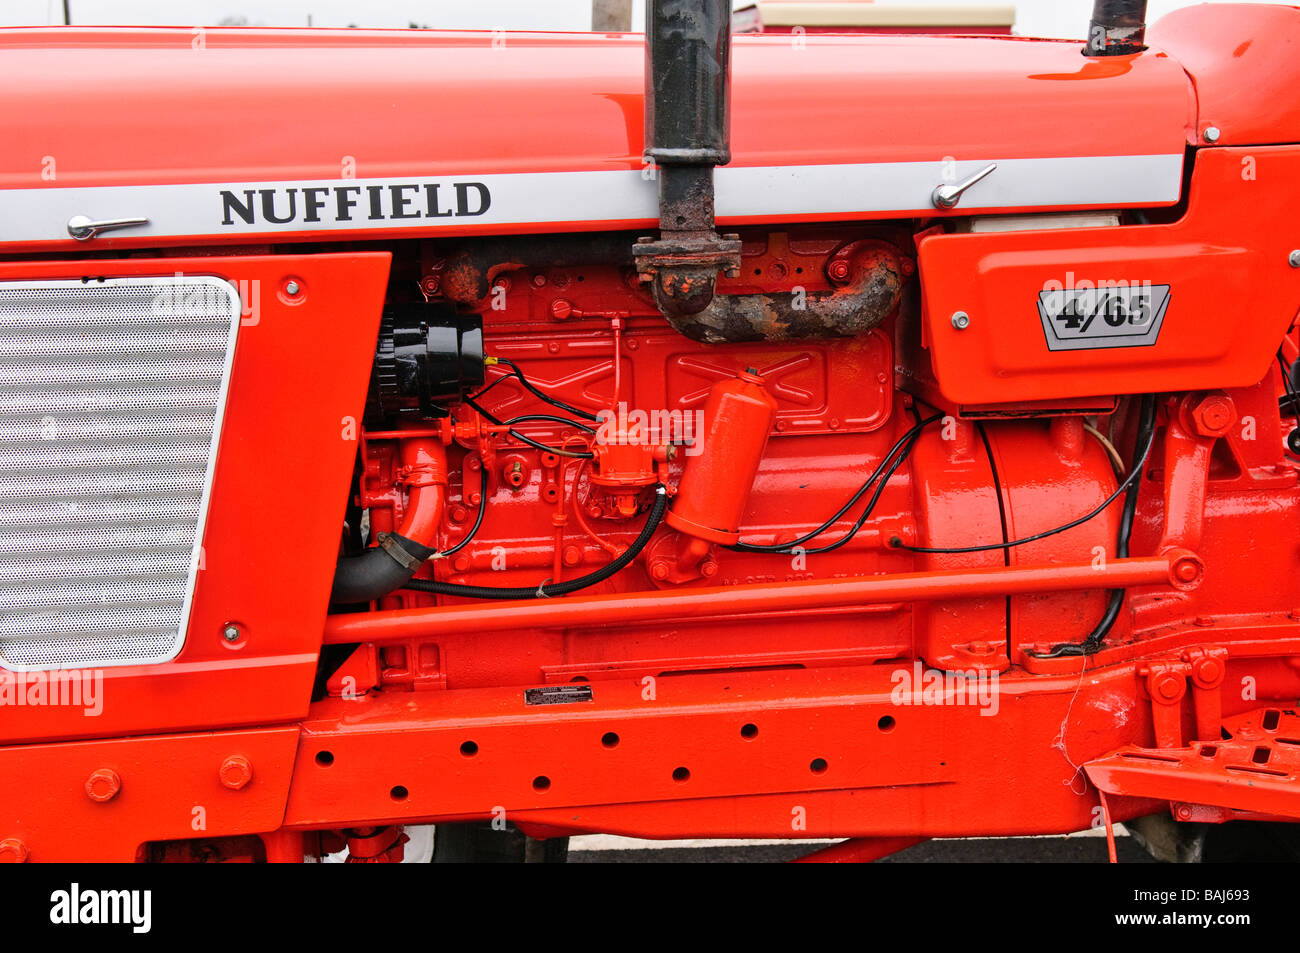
(427, 357)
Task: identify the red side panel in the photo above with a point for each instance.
(1231, 294)
(287, 449)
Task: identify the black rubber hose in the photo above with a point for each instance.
(1092, 644)
(376, 572)
(559, 588)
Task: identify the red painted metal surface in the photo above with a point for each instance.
(865, 691)
(1239, 61)
(165, 788)
(593, 611)
(315, 117)
(273, 442)
(1217, 266)
(1252, 769)
(714, 487)
(861, 850)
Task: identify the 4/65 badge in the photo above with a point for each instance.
(1088, 316)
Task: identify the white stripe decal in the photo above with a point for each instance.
(854, 191)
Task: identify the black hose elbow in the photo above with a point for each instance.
(378, 571)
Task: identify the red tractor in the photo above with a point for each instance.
(795, 436)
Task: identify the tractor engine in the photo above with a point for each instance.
(795, 436)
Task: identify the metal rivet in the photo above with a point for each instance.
(960, 320)
(292, 288)
(1211, 134)
(1294, 258)
(231, 633)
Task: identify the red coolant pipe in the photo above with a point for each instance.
(391, 563)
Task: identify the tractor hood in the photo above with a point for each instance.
(229, 134)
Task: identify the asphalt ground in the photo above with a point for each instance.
(1073, 849)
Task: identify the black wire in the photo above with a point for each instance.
(528, 385)
(871, 504)
(1139, 463)
(552, 419)
(583, 454)
(559, 588)
(478, 520)
(1289, 386)
(504, 377)
(903, 441)
(1002, 518)
(1115, 601)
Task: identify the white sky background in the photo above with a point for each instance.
(1055, 18)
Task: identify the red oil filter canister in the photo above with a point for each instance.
(715, 485)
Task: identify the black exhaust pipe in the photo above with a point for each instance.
(1118, 27)
(687, 133)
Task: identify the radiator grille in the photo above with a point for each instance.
(111, 396)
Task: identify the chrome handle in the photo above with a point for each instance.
(83, 229)
(947, 196)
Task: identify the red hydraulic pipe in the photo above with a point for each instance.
(859, 850)
(1178, 567)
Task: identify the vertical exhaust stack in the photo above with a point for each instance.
(1118, 27)
(687, 104)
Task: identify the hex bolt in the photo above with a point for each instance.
(231, 632)
(960, 320)
(1293, 259)
(1213, 415)
(103, 785)
(1211, 134)
(292, 288)
(235, 772)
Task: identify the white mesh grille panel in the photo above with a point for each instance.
(111, 395)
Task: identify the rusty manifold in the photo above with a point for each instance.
(864, 301)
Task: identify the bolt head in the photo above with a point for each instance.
(960, 320)
(103, 785)
(1293, 259)
(231, 633)
(1211, 134)
(1169, 687)
(1210, 671)
(1213, 414)
(235, 772)
(292, 288)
